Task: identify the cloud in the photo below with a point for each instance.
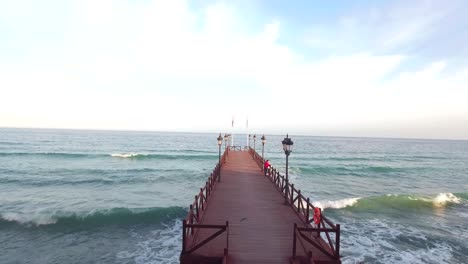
(165, 65)
(426, 28)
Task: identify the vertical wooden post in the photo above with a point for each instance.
(191, 218)
(294, 241)
(211, 181)
(202, 199)
(299, 202)
(320, 221)
(292, 193)
(286, 196)
(308, 212)
(337, 242)
(227, 234)
(183, 236)
(196, 208)
(226, 252)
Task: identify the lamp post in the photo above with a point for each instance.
(263, 145)
(287, 147)
(220, 142)
(250, 137)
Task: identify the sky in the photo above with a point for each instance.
(324, 68)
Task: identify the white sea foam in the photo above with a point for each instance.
(443, 198)
(34, 219)
(126, 155)
(337, 204)
(377, 240)
(160, 246)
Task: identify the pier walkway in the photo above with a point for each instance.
(244, 219)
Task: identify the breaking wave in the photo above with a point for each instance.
(336, 204)
(48, 154)
(123, 155)
(114, 216)
(132, 155)
(393, 201)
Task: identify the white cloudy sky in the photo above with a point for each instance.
(357, 68)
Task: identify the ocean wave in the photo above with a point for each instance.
(132, 155)
(392, 201)
(72, 181)
(336, 204)
(445, 198)
(383, 241)
(323, 170)
(114, 216)
(160, 246)
(123, 155)
(9, 143)
(128, 155)
(341, 170)
(48, 154)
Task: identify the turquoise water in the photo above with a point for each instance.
(117, 197)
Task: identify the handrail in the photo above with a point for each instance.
(222, 229)
(192, 222)
(236, 148)
(299, 231)
(303, 208)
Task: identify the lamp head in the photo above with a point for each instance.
(287, 145)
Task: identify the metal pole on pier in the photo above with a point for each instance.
(220, 142)
(263, 146)
(287, 147)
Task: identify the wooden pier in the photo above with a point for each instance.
(248, 217)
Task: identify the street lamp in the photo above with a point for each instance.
(220, 142)
(287, 147)
(263, 145)
(250, 137)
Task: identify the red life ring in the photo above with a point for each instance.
(317, 215)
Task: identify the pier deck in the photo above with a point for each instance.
(261, 226)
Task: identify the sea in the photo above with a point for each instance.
(82, 196)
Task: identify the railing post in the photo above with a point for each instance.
(196, 208)
(299, 202)
(337, 242)
(227, 234)
(308, 212)
(191, 219)
(294, 241)
(183, 236)
(286, 194)
(202, 199)
(292, 193)
(320, 221)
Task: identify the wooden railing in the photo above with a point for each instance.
(257, 158)
(192, 222)
(305, 210)
(236, 148)
(306, 234)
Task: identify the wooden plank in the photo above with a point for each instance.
(260, 224)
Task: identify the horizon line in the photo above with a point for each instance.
(210, 132)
